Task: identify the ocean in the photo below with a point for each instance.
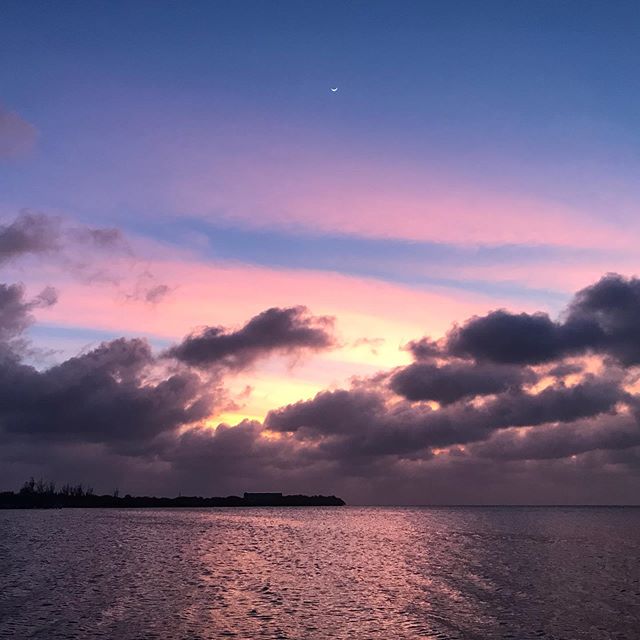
(568, 573)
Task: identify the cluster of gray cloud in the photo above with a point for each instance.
(29, 233)
(360, 422)
(274, 330)
(34, 233)
(119, 394)
(603, 319)
(121, 404)
(37, 235)
(503, 388)
(102, 397)
(453, 381)
(503, 408)
(15, 311)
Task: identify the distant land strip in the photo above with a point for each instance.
(38, 495)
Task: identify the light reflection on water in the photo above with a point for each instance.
(321, 573)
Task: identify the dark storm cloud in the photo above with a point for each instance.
(613, 305)
(108, 395)
(360, 421)
(121, 397)
(557, 403)
(554, 442)
(101, 396)
(341, 411)
(274, 330)
(629, 457)
(449, 383)
(603, 318)
(238, 450)
(522, 338)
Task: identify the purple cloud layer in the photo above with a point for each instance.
(505, 407)
(503, 390)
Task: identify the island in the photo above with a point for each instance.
(43, 495)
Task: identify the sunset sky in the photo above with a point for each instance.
(196, 231)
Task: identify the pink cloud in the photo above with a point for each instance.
(331, 192)
(228, 294)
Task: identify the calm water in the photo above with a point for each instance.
(321, 573)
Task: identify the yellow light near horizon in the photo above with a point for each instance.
(267, 393)
(282, 380)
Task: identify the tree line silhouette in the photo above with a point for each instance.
(41, 494)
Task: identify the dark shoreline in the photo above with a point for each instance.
(10, 500)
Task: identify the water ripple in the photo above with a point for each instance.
(346, 573)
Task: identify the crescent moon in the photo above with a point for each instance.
(334, 89)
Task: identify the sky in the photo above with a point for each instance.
(219, 275)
